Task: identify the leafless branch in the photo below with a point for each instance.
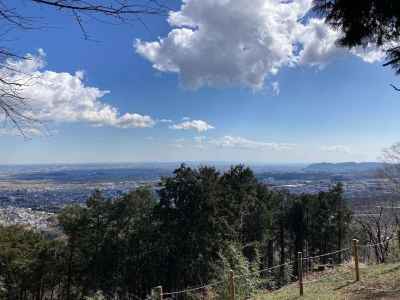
(115, 8)
(13, 103)
(380, 229)
(395, 87)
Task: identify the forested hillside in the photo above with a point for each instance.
(201, 225)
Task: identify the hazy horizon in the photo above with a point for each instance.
(221, 162)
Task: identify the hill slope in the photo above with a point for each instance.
(377, 282)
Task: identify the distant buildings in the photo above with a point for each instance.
(34, 202)
(32, 218)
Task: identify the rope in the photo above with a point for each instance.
(326, 254)
(279, 266)
(324, 274)
(373, 245)
(264, 270)
(194, 289)
(222, 281)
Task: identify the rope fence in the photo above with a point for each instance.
(325, 254)
(194, 289)
(263, 271)
(304, 270)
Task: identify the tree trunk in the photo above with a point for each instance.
(69, 274)
(270, 253)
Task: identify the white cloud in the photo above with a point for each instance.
(275, 88)
(336, 148)
(319, 45)
(165, 121)
(64, 97)
(198, 125)
(234, 142)
(225, 42)
(29, 132)
(241, 42)
(369, 53)
(243, 143)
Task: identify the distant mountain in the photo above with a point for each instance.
(345, 167)
(111, 172)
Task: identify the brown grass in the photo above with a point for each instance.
(377, 282)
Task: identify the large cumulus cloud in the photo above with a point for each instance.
(241, 42)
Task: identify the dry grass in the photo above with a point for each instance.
(377, 282)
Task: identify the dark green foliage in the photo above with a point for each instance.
(30, 265)
(112, 245)
(200, 212)
(202, 224)
(365, 21)
(321, 220)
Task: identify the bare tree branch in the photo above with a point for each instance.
(118, 9)
(14, 106)
(395, 87)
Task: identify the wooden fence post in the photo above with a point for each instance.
(398, 237)
(355, 256)
(232, 295)
(208, 292)
(300, 271)
(156, 293)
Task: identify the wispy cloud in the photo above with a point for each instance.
(275, 88)
(178, 143)
(244, 143)
(29, 132)
(198, 125)
(336, 148)
(165, 121)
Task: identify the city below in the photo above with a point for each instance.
(32, 194)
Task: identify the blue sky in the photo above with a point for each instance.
(181, 93)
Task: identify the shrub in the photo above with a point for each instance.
(247, 279)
